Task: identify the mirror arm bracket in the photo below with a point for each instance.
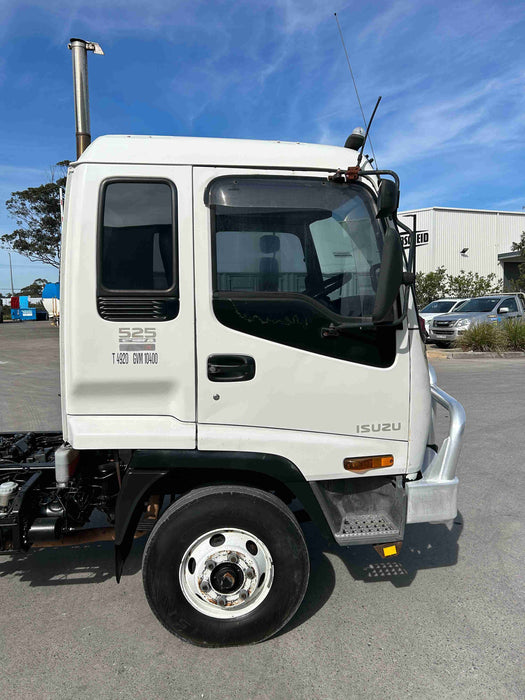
(349, 175)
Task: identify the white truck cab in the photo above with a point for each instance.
(238, 335)
(198, 321)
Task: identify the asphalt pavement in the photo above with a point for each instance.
(445, 619)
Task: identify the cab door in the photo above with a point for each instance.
(279, 259)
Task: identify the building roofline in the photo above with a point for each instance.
(482, 211)
(514, 256)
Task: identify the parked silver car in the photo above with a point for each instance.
(438, 307)
(446, 329)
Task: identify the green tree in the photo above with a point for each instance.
(36, 211)
(34, 289)
(519, 247)
(438, 284)
(430, 286)
(5, 307)
(472, 284)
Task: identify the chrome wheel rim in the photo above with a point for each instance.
(226, 573)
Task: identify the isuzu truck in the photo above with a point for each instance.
(239, 340)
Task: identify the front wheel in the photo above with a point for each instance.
(225, 566)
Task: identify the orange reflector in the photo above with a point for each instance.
(388, 550)
(361, 464)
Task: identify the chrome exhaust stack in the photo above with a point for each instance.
(79, 49)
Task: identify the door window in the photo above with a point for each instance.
(510, 304)
(293, 255)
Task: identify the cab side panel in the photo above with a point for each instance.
(127, 371)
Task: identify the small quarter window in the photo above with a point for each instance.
(137, 236)
(137, 251)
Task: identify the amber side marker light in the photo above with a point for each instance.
(362, 464)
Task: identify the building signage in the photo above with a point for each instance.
(421, 238)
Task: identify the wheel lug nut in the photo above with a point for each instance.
(221, 600)
(233, 558)
(205, 586)
(210, 564)
(243, 595)
(250, 573)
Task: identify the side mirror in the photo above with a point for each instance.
(504, 310)
(387, 199)
(390, 275)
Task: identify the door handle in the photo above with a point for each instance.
(231, 368)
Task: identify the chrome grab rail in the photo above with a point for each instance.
(443, 466)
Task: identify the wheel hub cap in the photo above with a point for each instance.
(227, 578)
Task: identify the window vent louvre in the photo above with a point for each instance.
(136, 309)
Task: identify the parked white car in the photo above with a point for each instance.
(438, 307)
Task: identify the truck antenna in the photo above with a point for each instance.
(79, 49)
(356, 90)
(360, 156)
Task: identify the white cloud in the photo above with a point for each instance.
(512, 204)
(388, 21)
(464, 118)
(421, 198)
(8, 170)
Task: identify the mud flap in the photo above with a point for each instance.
(130, 502)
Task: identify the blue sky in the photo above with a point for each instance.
(452, 77)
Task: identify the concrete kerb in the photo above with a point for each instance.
(464, 355)
(486, 355)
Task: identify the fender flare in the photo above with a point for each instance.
(196, 467)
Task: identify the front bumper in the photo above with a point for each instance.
(444, 335)
(433, 498)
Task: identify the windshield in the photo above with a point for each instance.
(438, 307)
(281, 235)
(484, 304)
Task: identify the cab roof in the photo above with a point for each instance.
(183, 150)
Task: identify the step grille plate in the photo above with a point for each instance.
(372, 525)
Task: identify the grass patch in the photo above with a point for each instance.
(514, 332)
(483, 337)
(491, 337)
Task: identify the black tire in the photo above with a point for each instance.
(204, 510)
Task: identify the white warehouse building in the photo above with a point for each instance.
(474, 240)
